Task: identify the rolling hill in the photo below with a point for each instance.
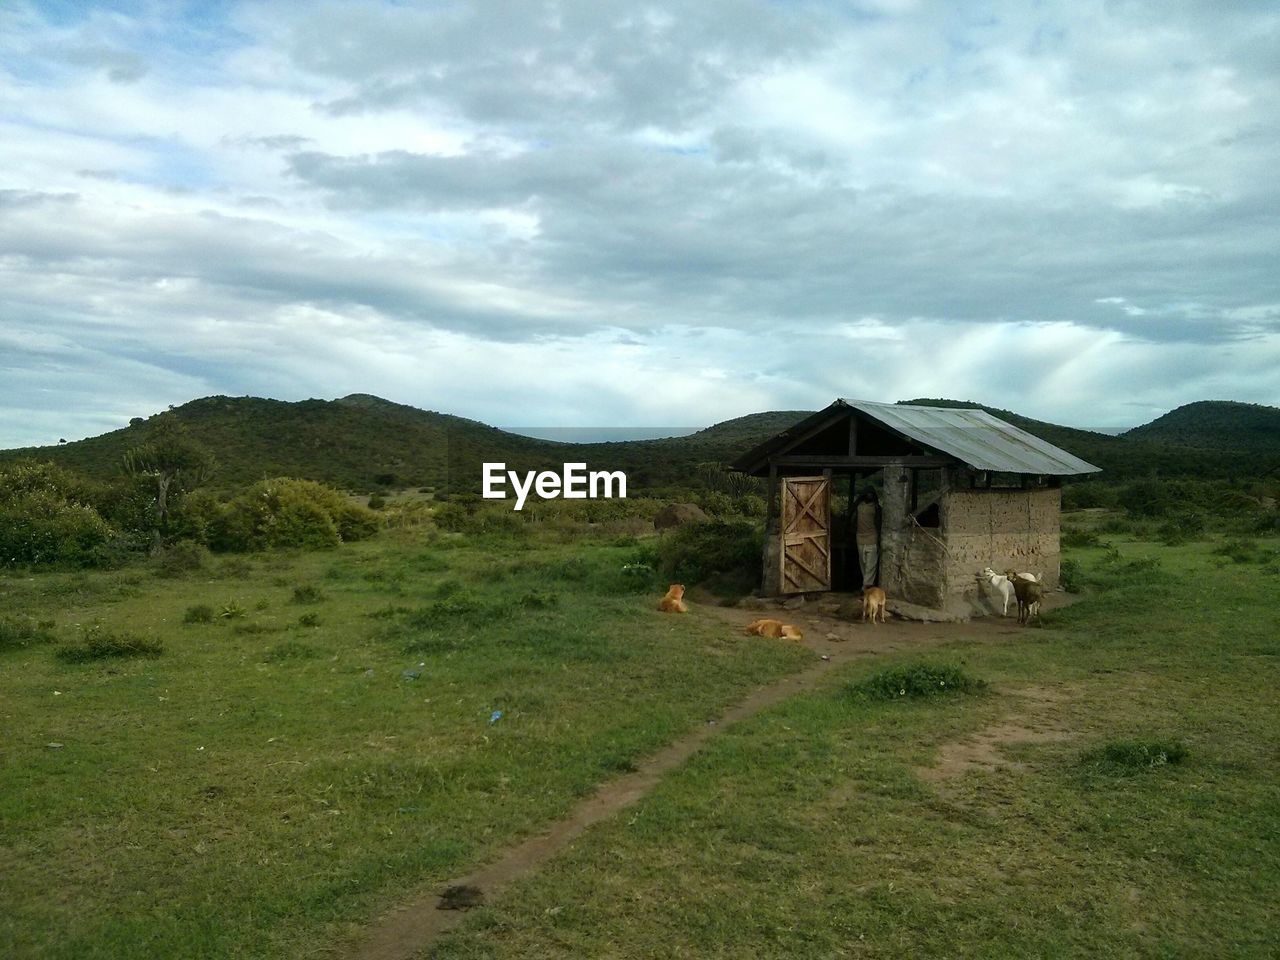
(1216, 425)
(361, 442)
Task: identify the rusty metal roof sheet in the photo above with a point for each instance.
(975, 437)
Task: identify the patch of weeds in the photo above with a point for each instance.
(449, 588)
(99, 643)
(182, 559)
(255, 628)
(289, 650)
(232, 610)
(309, 620)
(539, 600)
(448, 608)
(1239, 550)
(429, 563)
(236, 567)
(574, 569)
(307, 594)
(1133, 756)
(262, 604)
(199, 613)
(1069, 577)
(23, 631)
(389, 613)
(1082, 538)
(917, 680)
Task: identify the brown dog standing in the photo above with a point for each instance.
(873, 602)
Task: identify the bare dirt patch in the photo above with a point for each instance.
(1036, 721)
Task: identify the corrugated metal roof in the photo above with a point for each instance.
(976, 437)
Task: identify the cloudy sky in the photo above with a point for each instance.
(600, 213)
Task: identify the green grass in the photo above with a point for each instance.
(808, 832)
(278, 777)
(266, 789)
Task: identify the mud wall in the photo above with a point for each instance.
(1000, 529)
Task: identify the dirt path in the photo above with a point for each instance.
(419, 922)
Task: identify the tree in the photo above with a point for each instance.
(174, 461)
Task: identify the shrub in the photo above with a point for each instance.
(98, 643)
(41, 524)
(696, 552)
(377, 501)
(1081, 538)
(309, 620)
(1240, 551)
(23, 631)
(290, 513)
(1181, 527)
(231, 610)
(307, 594)
(1131, 756)
(200, 613)
(917, 680)
(182, 558)
(1069, 576)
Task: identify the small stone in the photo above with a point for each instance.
(54, 746)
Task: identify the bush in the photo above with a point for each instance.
(1131, 756)
(309, 620)
(231, 610)
(23, 631)
(307, 594)
(42, 526)
(377, 501)
(289, 513)
(1069, 576)
(182, 558)
(696, 552)
(917, 680)
(1082, 538)
(200, 613)
(1241, 551)
(98, 643)
(1183, 526)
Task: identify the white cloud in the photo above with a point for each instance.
(579, 211)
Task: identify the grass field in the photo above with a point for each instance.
(275, 777)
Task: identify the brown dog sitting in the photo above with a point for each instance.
(873, 602)
(673, 602)
(773, 628)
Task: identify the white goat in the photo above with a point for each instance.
(1001, 583)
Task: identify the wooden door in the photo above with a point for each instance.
(806, 534)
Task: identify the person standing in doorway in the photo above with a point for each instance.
(868, 537)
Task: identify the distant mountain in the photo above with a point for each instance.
(1217, 425)
(1214, 439)
(361, 442)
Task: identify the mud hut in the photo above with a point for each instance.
(959, 490)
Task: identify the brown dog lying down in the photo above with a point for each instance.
(873, 601)
(773, 628)
(673, 602)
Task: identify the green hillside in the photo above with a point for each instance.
(1216, 425)
(361, 442)
(1239, 451)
